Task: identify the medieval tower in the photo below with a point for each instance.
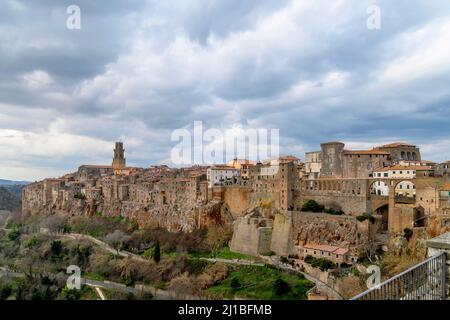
(119, 161)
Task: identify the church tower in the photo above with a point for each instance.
(119, 161)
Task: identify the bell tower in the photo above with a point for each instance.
(119, 161)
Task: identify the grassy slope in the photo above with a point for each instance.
(258, 283)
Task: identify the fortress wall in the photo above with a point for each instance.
(251, 235)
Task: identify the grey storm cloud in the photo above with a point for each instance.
(137, 70)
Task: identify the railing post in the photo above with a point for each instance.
(435, 246)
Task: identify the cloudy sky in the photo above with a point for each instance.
(137, 70)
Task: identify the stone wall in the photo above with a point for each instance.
(252, 235)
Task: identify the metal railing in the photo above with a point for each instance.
(424, 281)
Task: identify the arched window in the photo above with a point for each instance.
(414, 156)
(403, 155)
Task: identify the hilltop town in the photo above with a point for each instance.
(338, 204)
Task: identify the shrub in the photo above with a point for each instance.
(30, 243)
(281, 287)
(71, 294)
(312, 206)
(365, 216)
(80, 196)
(321, 263)
(407, 233)
(14, 235)
(235, 284)
(5, 291)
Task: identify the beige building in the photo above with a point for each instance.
(335, 254)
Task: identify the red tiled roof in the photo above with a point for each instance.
(416, 168)
(396, 145)
(366, 152)
(326, 248)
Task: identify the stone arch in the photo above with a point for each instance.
(405, 188)
(379, 188)
(383, 211)
(403, 155)
(414, 156)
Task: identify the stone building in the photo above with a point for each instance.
(312, 164)
(443, 169)
(336, 254)
(401, 151)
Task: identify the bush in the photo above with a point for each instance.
(321, 263)
(235, 284)
(407, 233)
(5, 291)
(80, 196)
(365, 216)
(312, 206)
(268, 254)
(281, 287)
(14, 235)
(71, 294)
(30, 243)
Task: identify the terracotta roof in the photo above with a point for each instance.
(332, 142)
(366, 152)
(396, 145)
(222, 167)
(326, 248)
(417, 161)
(96, 166)
(415, 168)
(445, 186)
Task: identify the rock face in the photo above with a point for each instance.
(327, 229)
(254, 233)
(175, 199)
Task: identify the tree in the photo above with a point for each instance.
(116, 239)
(5, 291)
(281, 287)
(218, 237)
(157, 253)
(235, 284)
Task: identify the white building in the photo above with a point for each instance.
(404, 188)
(218, 174)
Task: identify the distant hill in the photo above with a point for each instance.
(12, 183)
(10, 200)
(11, 194)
